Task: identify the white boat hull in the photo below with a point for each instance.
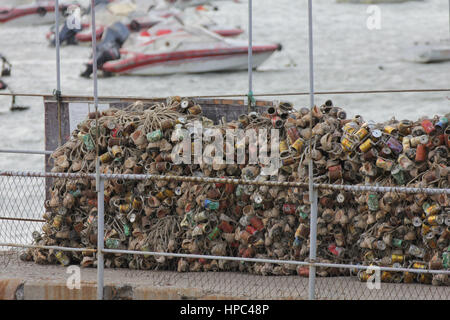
(201, 65)
(434, 52)
(434, 55)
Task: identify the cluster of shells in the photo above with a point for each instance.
(255, 221)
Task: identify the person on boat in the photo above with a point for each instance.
(109, 48)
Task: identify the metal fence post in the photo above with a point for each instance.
(312, 190)
(250, 55)
(58, 71)
(57, 45)
(100, 182)
(313, 244)
(100, 238)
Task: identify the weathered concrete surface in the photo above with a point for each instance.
(49, 282)
(57, 290)
(8, 288)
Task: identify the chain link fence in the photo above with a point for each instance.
(23, 208)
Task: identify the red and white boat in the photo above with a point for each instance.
(187, 50)
(36, 13)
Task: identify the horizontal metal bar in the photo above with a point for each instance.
(26, 151)
(352, 92)
(257, 260)
(46, 174)
(47, 247)
(223, 180)
(200, 256)
(361, 267)
(149, 177)
(276, 94)
(210, 257)
(382, 189)
(38, 95)
(92, 102)
(22, 219)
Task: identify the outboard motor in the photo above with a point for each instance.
(108, 48)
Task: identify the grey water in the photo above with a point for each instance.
(347, 56)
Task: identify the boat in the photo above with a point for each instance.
(35, 13)
(153, 17)
(429, 52)
(190, 49)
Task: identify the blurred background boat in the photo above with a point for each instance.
(431, 51)
(173, 47)
(136, 18)
(35, 12)
(427, 52)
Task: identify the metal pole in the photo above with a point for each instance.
(94, 66)
(313, 245)
(311, 55)
(94, 54)
(250, 54)
(100, 187)
(58, 71)
(58, 62)
(26, 151)
(312, 191)
(100, 239)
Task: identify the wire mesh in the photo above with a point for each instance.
(380, 230)
(23, 198)
(350, 288)
(21, 208)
